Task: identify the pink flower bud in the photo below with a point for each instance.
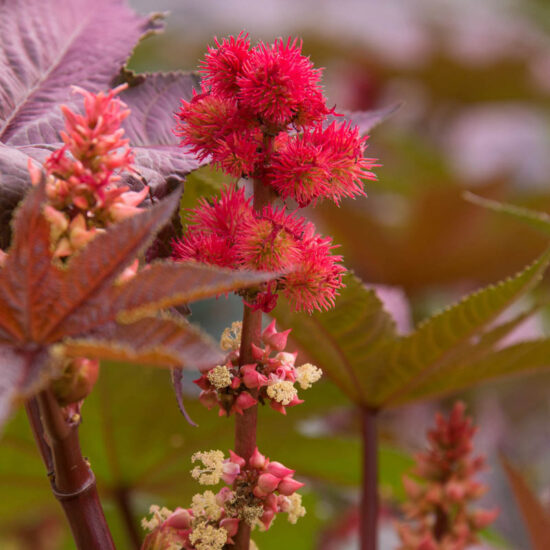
(295, 401)
(272, 501)
(276, 340)
(236, 459)
(455, 490)
(231, 525)
(267, 518)
(288, 486)
(179, 519)
(230, 472)
(257, 460)
(277, 469)
(251, 377)
(203, 383)
(257, 353)
(235, 382)
(275, 405)
(268, 483)
(244, 401)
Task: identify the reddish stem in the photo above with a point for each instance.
(245, 424)
(72, 480)
(368, 532)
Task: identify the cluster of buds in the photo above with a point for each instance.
(82, 199)
(256, 491)
(439, 501)
(261, 114)
(271, 379)
(81, 187)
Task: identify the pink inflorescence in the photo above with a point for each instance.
(83, 175)
(94, 153)
(261, 114)
(256, 491)
(439, 501)
(270, 379)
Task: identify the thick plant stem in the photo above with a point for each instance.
(245, 424)
(72, 480)
(368, 531)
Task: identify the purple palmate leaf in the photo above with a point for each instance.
(154, 103)
(48, 45)
(14, 179)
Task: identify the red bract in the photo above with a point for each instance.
(229, 233)
(280, 85)
(204, 121)
(223, 65)
(315, 281)
(321, 163)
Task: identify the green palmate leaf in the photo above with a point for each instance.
(166, 341)
(357, 346)
(537, 220)
(535, 517)
(521, 358)
(346, 340)
(442, 337)
(471, 364)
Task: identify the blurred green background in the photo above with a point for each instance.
(473, 77)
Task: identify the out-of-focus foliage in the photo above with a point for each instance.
(357, 346)
(150, 463)
(536, 517)
(67, 43)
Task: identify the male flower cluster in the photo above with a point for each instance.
(228, 232)
(439, 502)
(256, 491)
(82, 191)
(271, 379)
(261, 114)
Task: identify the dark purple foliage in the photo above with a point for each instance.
(47, 46)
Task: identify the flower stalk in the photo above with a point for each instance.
(369, 488)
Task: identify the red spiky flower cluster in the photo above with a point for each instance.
(439, 502)
(261, 114)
